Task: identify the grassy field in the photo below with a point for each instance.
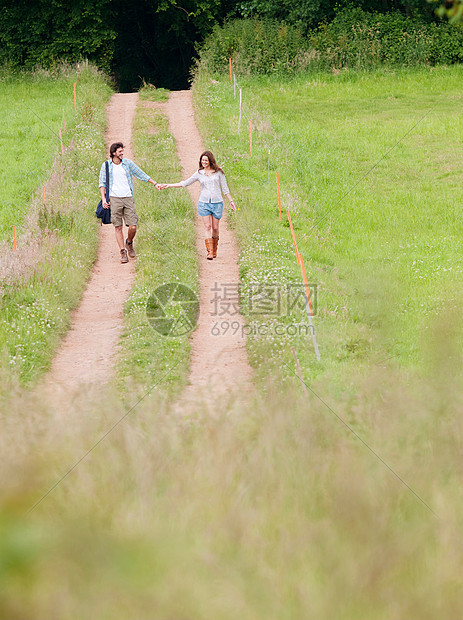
(43, 281)
(165, 256)
(32, 114)
(276, 510)
(370, 170)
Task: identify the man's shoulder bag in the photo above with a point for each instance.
(104, 214)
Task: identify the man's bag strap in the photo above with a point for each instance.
(107, 181)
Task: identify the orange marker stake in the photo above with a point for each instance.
(61, 140)
(14, 238)
(75, 100)
(231, 72)
(250, 138)
(43, 195)
(279, 199)
(298, 256)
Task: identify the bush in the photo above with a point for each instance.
(362, 40)
(256, 46)
(447, 47)
(354, 39)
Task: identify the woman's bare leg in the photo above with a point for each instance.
(207, 221)
(215, 226)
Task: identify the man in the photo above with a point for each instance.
(121, 173)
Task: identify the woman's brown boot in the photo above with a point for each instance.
(215, 243)
(209, 248)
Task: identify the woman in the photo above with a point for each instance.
(210, 205)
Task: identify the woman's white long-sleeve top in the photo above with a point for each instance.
(212, 186)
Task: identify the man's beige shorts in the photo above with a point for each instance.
(123, 208)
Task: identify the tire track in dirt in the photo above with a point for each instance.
(219, 363)
(87, 352)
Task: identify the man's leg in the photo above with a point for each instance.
(129, 241)
(119, 237)
(131, 233)
(117, 206)
(120, 243)
(131, 219)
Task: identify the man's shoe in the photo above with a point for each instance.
(129, 247)
(124, 257)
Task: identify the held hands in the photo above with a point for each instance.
(162, 185)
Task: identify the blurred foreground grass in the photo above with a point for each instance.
(269, 509)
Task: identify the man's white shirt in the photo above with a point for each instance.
(120, 187)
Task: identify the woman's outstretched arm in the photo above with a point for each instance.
(166, 185)
(189, 181)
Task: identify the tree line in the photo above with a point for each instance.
(152, 40)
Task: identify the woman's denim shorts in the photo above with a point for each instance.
(211, 208)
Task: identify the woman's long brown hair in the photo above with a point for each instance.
(212, 162)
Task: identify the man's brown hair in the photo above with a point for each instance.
(113, 148)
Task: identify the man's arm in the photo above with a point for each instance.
(102, 184)
(136, 171)
(102, 177)
(106, 205)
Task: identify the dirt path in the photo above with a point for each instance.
(219, 365)
(219, 359)
(87, 353)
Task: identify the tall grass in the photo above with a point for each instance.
(369, 170)
(32, 108)
(43, 281)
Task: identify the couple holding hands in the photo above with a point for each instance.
(121, 172)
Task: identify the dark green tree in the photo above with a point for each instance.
(307, 14)
(142, 39)
(452, 9)
(44, 32)
(156, 39)
(304, 14)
